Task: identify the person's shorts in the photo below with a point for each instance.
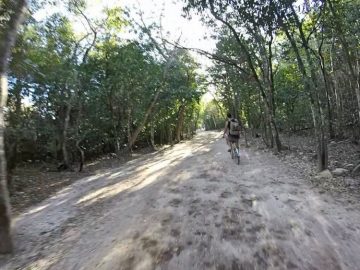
(233, 138)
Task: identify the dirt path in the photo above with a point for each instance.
(190, 207)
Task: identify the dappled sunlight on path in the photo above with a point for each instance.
(189, 207)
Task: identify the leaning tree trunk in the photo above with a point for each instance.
(13, 11)
(143, 122)
(214, 121)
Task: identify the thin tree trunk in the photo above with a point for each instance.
(272, 108)
(11, 149)
(196, 122)
(152, 134)
(214, 121)
(338, 98)
(80, 137)
(66, 162)
(310, 84)
(162, 134)
(254, 74)
(180, 122)
(79, 93)
(339, 111)
(143, 122)
(170, 137)
(7, 40)
(355, 76)
(82, 155)
(265, 132)
(327, 87)
(128, 128)
(329, 107)
(218, 106)
(245, 136)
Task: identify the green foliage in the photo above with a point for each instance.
(212, 116)
(293, 109)
(105, 96)
(95, 91)
(287, 65)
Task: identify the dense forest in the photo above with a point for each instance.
(72, 98)
(286, 66)
(280, 66)
(95, 94)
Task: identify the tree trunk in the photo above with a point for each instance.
(5, 214)
(82, 155)
(271, 95)
(128, 128)
(311, 85)
(245, 136)
(170, 136)
(180, 122)
(196, 122)
(339, 110)
(162, 131)
(143, 122)
(269, 127)
(265, 132)
(338, 99)
(267, 100)
(152, 135)
(355, 76)
(214, 121)
(7, 39)
(11, 149)
(66, 162)
(327, 88)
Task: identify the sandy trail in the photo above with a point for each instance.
(190, 207)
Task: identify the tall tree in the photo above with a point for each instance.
(11, 12)
(252, 19)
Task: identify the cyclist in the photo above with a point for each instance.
(232, 131)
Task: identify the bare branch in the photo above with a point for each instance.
(211, 56)
(93, 30)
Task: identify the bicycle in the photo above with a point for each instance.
(235, 152)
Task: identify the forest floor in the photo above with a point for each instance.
(191, 207)
(35, 182)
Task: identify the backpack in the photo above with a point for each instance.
(234, 127)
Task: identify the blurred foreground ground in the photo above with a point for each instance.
(191, 207)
